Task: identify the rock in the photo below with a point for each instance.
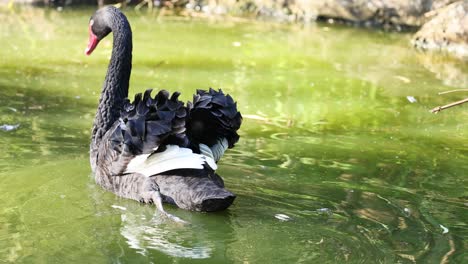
(386, 13)
(392, 13)
(446, 31)
(375, 12)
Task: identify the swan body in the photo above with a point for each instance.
(156, 149)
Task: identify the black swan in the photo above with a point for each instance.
(155, 149)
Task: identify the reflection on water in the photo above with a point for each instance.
(450, 71)
(334, 163)
(143, 234)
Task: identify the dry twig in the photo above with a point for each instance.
(453, 91)
(440, 108)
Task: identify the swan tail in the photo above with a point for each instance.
(147, 123)
(212, 117)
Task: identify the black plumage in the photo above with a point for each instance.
(123, 130)
(211, 116)
(147, 123)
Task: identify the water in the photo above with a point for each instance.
(334, 164)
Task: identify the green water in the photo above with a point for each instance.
(329, 139)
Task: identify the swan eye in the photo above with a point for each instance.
(91, 23)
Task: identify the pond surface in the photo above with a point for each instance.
(335, 163)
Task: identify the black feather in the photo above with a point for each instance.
(148, 122)
(211, 116)
(158, 127)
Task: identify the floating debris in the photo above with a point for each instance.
(119, 207)
(444, 229)
(286, 163)
(35, 107)
(255, 117)
(236, 44)
(282, 217)
(320, 242)
(9, 127)
(411, 99)
(407, 211)
(12, 109)
(402, 78)
(324, 211)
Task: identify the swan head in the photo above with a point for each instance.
(99, 28)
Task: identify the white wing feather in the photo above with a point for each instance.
(216, 151)
(172, 158)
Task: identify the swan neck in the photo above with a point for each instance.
(116, 83)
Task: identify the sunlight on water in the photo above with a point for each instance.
(339, 158)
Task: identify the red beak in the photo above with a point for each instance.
(92, 43)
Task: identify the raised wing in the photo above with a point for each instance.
(147, 123)
(213, 121)
(150, 138)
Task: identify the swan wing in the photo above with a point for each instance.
(147, 123)
(213, 121)
(208, 125)
(173, 158)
